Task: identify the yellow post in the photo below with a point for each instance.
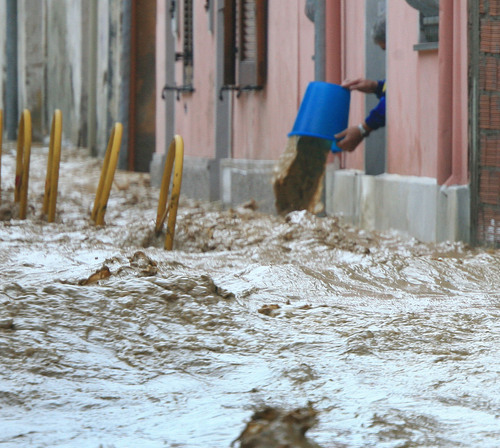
(23, 162)
(175, 152)
(52, 177)
(107, 175)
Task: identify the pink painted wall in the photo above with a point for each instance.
(194, 113)
(413, 91)
(413, 105)
(412, 97)
(262, 120)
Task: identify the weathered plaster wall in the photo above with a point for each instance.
(113, 47)
(31, 62)
(262, 120)
(412, 98)
(66, 77)
(194, 112)
(53, 71)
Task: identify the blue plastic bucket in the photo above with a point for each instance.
(323, 112)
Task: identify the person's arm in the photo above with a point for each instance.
(350, 138)
(361, 84)
(376, 117)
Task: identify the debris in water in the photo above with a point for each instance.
(101, 274)
(6, 323)
(269, 310)
(147, 266)
(298, 179)
(6, 212)
(251, 205)
(274, 428)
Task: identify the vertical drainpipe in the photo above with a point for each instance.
(169, 95)
(11, 98)
(92, 76)
(474, 49)
(333, 41)
(445, 95)
(125, 111)
(223, 115)
(319, 40)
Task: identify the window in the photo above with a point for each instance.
(187, 47)
(245, 43)
(186, 55)
(429, 33)
(429, 23)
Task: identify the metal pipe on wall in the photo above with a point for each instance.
(11, 100)
(319, 41)
(445, 96)
(125, 111)
(169, 95)
(92, 76)
(333, 41)
(474, 119)
(223, 116)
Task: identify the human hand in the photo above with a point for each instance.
(361, 84)
(349, 139)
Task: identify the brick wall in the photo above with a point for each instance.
(488, 219)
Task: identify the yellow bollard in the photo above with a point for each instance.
(52, 177)
(107, 175)
(23, 162)
(175, 152)
(1, 152)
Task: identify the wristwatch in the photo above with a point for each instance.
(362, 129)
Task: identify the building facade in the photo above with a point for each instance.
(229, 77)
(413, 176)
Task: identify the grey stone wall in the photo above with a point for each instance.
(3, 52)
(53, 60)
(415, 206)
(65, 73)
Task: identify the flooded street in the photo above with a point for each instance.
(394, 343)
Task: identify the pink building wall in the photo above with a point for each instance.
(194, 113)
(414, 103)
(260, 120)
(412, 98)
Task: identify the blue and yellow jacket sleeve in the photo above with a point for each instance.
(376, 117)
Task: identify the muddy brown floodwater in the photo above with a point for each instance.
(299, 173)
(107, 340)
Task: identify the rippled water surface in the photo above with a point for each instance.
(393, 342)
